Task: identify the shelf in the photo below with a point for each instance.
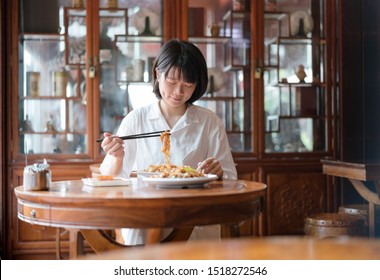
(236, 15)
(315, 84)
(103, 12)
(235, 67)
(113, 12)
(209, 40)
(41, 37)
(51, 98)
(273, 66)
(299, 41)
(52, 133)
(275, 15)
(314, 117)
(220, 98)
(75, 12)
(121, 82)
(137, 39)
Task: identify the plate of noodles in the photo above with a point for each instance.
(169, 175)
(180, 183)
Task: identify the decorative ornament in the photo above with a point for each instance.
(301, 23)
(214, 30)
(301, 74)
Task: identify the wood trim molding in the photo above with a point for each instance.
(2, 122)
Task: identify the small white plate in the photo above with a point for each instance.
(117, 181)
(180, 183)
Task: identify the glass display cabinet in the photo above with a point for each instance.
(68, 63)
(295, 93)
(75, 76)
(77, 70)
(223, 36)
(51, 115)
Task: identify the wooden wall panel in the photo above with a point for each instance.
(291, 197)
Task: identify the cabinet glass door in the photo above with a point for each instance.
(82, 69)
(130, 37)
(51, 108)
(222, 32)
(294, 77)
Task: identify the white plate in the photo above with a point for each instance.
(147, 174)
(180, 183)
(117, 181)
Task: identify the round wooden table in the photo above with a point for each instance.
(267, 248)
(72, 205)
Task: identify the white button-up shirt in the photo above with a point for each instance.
(197, 135)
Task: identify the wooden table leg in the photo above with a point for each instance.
(371, 221)
(75, 243)
(230, 230)
(377, 183)
(153, 236)
(58, 235)
(99, 241)
(372, 198)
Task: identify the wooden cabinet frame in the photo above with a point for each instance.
(273, 169)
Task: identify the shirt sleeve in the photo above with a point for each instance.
(126, 128)
(220, 149)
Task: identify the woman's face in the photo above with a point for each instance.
(174, 91)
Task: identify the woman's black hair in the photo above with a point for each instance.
(188, 60)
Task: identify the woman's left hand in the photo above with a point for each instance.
(211, 166)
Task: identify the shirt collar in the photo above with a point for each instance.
(190, 116)
(155, 111)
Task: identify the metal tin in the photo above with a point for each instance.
(36, 178)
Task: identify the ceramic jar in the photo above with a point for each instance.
(214, 30)
(60, 80)
(33, 79)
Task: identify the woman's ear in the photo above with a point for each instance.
(157, 73)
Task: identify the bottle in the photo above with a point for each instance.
(60, 83)
(147, 31)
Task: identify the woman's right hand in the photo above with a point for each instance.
(113, 145)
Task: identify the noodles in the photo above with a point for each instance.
(173, 171)
(165, 139)
(169, 170)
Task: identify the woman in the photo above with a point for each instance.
(198, 137)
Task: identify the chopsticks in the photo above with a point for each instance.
(137, 136)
